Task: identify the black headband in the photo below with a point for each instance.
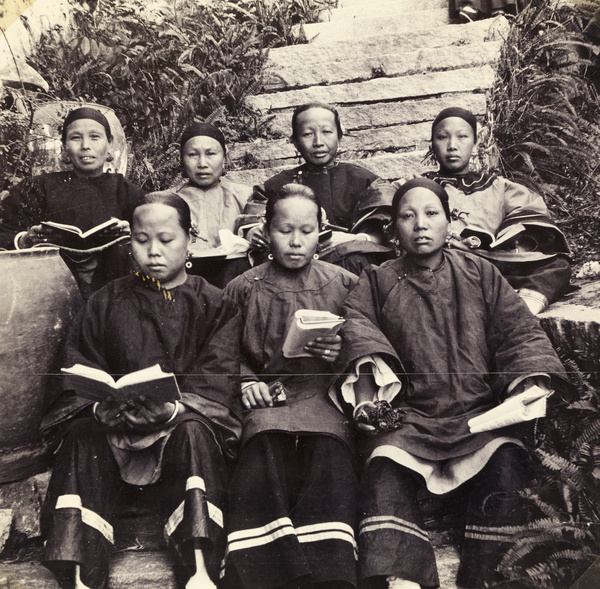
(85, 112)
(420, 183)
(203, 130)
(456, 111)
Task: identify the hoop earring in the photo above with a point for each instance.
(110, 157)
(188, 257)
(315, 256)
(270, 256)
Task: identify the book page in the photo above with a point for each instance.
(154, 372)
(91, 373)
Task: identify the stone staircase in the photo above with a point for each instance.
(389, 66)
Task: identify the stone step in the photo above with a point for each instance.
(365, 116)
(390, 43)
(475, 79)
(355, 67)
(390, 167)
(128, 570)
(349, 10)
(154, 570)
(375, 25)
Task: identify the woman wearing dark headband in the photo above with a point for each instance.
(84, 197)
(485, 206)
(431, 340)
(214, 201)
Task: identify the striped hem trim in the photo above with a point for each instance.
(88, 517)
(176, 517)
(490, 533)
(390, 522)
(254, 537)
(327, 531)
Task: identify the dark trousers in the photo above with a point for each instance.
(392, 539)
(292, 514)
(85, 487)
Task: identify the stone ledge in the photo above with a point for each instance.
(375, 25)
(358, 67)
(381, 89)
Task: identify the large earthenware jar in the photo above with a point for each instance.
(38, 300)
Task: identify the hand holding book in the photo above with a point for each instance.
(528, 405)
(313, 333)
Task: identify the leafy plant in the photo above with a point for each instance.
(544, 112)
(564, 539)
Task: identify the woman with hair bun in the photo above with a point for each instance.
(180, 448)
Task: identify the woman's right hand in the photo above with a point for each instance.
(257, 238)
(35, 235)
(256, 396)
(110, 413)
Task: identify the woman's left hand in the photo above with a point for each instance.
(145, 412)
(326, 347)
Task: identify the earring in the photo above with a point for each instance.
(397, 249)
(270, 256)
(110, 157)
(315, 256)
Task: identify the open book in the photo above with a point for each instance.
(306, 326)
(487, 240)
(526, 406)
(95, 384)
(73, 237)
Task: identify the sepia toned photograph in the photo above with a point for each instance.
(300, 294)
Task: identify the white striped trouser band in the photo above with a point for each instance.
(88, 517)
(252, 538)
(390, 522)
(494, 534)
(176, 518)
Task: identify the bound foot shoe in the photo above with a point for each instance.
(396, 583)
(468, 14)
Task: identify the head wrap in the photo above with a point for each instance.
(420, 183)
(456, 111)
(203, 130)
(85, 112)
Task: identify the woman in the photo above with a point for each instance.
(356, 201)
(159, 315)
(84, 197)
(535, 262)
(430, 341)
(215, 202)
(292, 498)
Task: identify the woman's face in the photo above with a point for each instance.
(317, 136)
(453, 143)
(87, 146)
(294, 232)
(422, 227)
(159, 243)
(203, 160)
